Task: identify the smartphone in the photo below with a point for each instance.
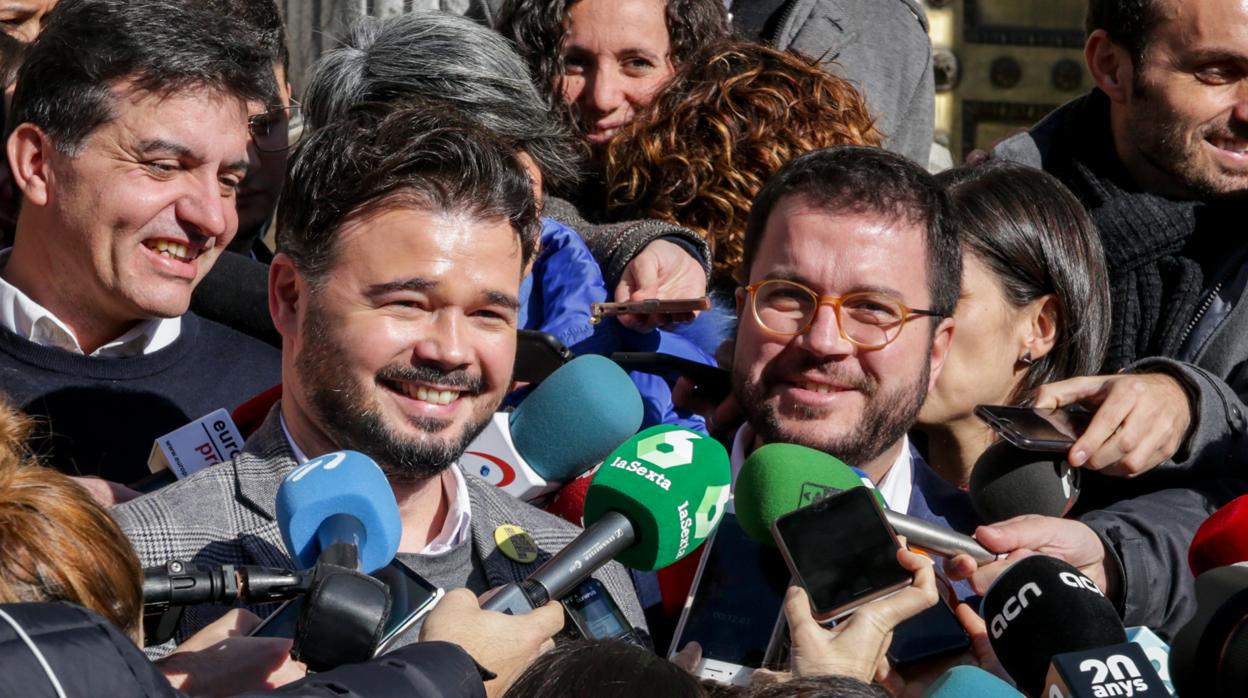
(650, 306)
(596, 616)
(538, 354)
(734, 606)
(842, 551)
(932, 634)
(710, 382)
(1035, 429)
(411, 598)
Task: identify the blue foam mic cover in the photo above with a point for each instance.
(968, 681)
(576, 417)
(343, 482)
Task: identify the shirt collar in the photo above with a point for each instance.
(27, 319)
(457, 525)
(896, 486)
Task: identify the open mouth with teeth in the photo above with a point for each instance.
(432, 396)
(173, 250)
(819, 388)
(1230, 145)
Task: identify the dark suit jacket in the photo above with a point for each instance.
(225, 515)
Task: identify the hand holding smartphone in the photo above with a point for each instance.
(842, 551)
(1035, 429)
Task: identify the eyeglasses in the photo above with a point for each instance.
(272, 132)
(867, 320)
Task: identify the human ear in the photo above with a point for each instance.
(1040, 326)
(30, 153)
(1110, 64)
(942, 342)
(287, 289)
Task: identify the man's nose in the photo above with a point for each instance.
(203, 207)
(824, 336)
(446, 345)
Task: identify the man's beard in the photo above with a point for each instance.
(1164, 143)
(353, 421)
(884, 420)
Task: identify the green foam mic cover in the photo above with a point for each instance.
(779, 478)
(671, 483)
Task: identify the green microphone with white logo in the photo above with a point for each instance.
(654, 500)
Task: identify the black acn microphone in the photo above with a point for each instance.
(1042, 607)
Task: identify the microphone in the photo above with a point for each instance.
(518, 451)
(339, 509)
(1222, 539)
(1156, 651)
(655, 499)
(963, 681)
(1042, 607)
(1008, 481)
(779, 478)
(1209, 656)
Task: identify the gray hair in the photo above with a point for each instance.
(428, 56)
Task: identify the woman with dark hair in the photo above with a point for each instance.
(728, 120)
(1034, 306)
(599, 62)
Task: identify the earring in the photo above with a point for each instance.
(1026, 359)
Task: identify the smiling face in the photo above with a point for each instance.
(1187, 113)
(817, 389)
(125, 228)
(616, 56)
(406, 345)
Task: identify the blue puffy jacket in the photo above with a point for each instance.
(555, 299)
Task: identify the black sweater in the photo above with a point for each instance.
(100, 416)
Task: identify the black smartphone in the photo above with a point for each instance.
(596, 616)
(710, 382)
(538, 354)
(734, 605)
(411, 598)
(1035, 429)
(842, 551)
(929, 635)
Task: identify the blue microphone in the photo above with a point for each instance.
(339, 509)
(963, 681)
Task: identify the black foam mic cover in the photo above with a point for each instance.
(1008, 481)
(1209, 655)
(1041, 607)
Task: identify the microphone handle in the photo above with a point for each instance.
(938, 539)
(594, 547)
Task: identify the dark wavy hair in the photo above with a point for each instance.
(538, 28)
(1036, 239)
(728, 120)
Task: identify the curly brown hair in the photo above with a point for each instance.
(727, 121)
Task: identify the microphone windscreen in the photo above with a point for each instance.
(592, 402)
(1008, 481)
(1041, 607)
(1222, 539)
(343, 482)
(671, 483)
(965, 681)
(1209, 655)
(779, 478)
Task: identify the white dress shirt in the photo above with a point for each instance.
(27, 319)
(457, 525)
